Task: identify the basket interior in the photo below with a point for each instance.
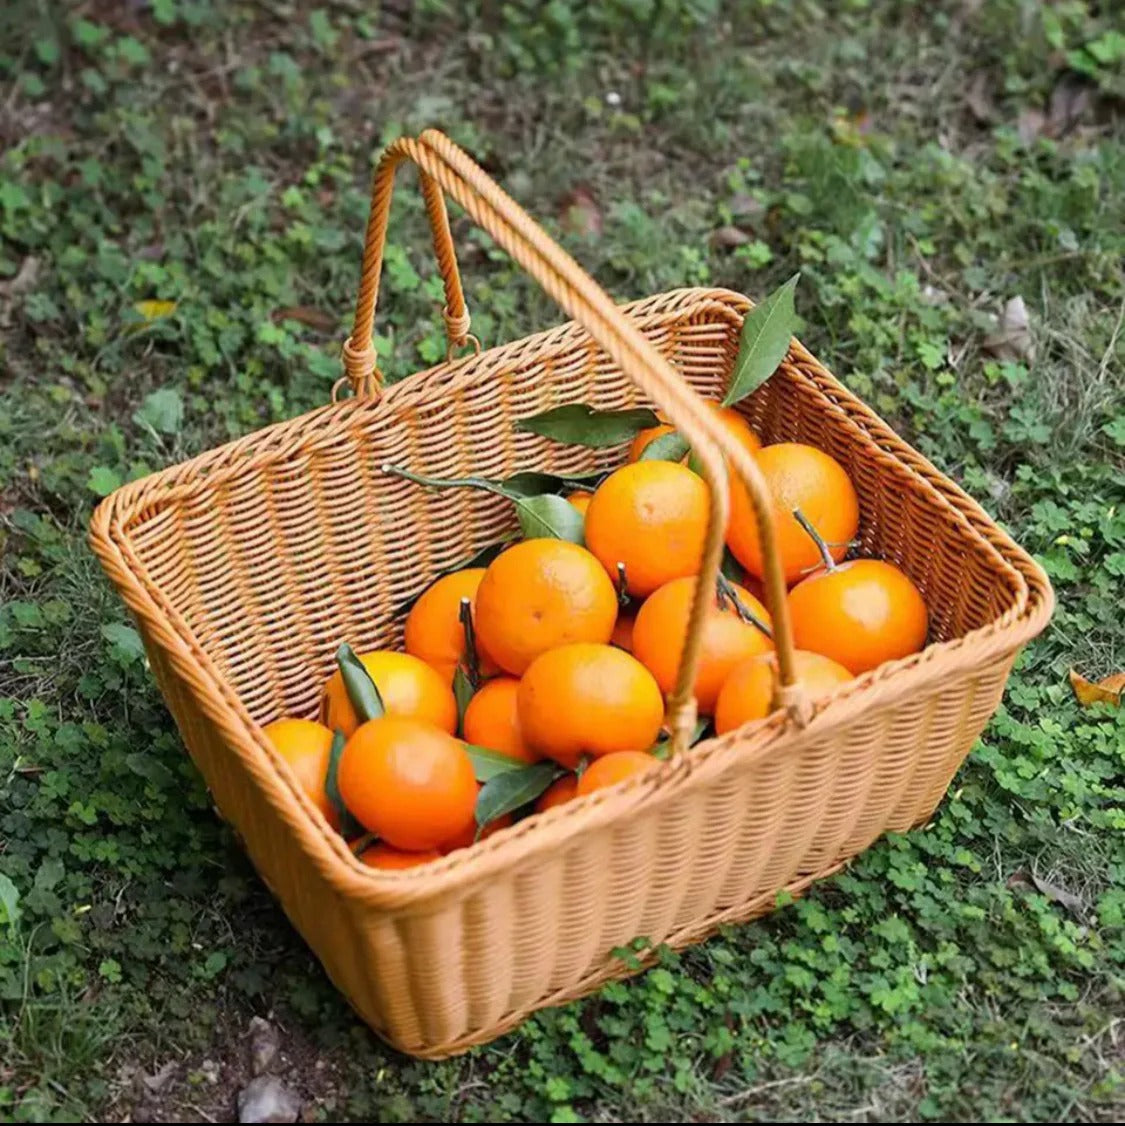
(274, 557)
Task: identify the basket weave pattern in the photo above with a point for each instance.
(246, 567)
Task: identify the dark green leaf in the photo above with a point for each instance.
(488, 764)
(663, 749)
(731, 568)
(361, 689)
(349, 826)
(462, 692)
(147, 766)
(531, 484)
(766, 332)
(550, 517)
(581, 425)
(668, 447)
(512, 789)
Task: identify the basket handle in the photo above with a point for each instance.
(449, 168)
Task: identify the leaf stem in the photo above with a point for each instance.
(472, 658)
(726, 593)
(445, 482)
(817, 538)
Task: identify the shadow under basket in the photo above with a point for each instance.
(247, 566)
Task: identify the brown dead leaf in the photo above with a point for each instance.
(1012, 339)
(1067, 899)
(1030, 124)
(1070, 100)
(579, 212)
(728, 237)
(306, 315)
(1107, 691)
(745, 208)
(978, 98)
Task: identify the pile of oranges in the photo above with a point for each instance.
(543, 676)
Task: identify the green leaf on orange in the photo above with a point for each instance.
(361, 689)
(766, 332)
(489, 764)
(514, 789)
(668, 447)
(550, 517)
(581, 425)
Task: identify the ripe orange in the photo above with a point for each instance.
(409, 687)
(737, 426)
(860, 614)
(580, 498)
(651, 516)
(747, 694)
(558, 793)
(539, 594)
(801, 477)
(644, 437)
(622, 635)
(468, 837)
(383, 856)
(658, 637)
(306, 747)
(611, 769)
(588, 699)
(492, 719)
(434, 632)
(411, 783)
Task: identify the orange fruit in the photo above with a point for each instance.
(468, 837)
(611, 769)
(539, 594)
(622, 635)
(306, 746)
(747, 694)
(492, 719)
(410, 783)
(644, 437)
(580, 498)
(558, 793)
(860, 614)
(587, 699)
(662, 621)
(410, 689)
(651, 516)
(736, 426)
(803, 477)
(383, 856)
(434, 632)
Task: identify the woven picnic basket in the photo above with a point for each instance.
(248, 565)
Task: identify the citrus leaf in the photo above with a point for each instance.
(489, 764)
(731, 568)
(531, 484)
(550, 517)
(349, 826)
(663, 749)
(766, 332)
(512, 789)
(581, 425)
(1108, 691)
(462, 692)
(668, 447)
(361, 690)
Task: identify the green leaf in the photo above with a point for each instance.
(731, 568)
(361, 689)
(672, 446)
(550, 517)
(530, 484)
(663, 749)
(463, 692)
(766, 332)
(581, 425)
(144, 765)
(127, 644)
(163, 411)
(102, 481)
(489, 764)
(512, 789)
(9, 902)
(349, 826)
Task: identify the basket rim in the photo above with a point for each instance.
(459, 871)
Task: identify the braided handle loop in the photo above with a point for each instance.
(445, 167)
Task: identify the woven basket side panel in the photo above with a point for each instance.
(273, 568)
(319, 912)
(679, 866)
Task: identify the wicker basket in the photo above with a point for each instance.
(245, 567)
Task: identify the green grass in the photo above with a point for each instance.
(217, 157)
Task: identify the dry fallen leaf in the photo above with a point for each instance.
(1070, 100)
(727, 238)
(24, 279)
(746, 208)
(1030, 124)
(979, 99)
(580, 213)
(1073, 903)
(1012, 338)
(1107, 691)
(306, 315)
